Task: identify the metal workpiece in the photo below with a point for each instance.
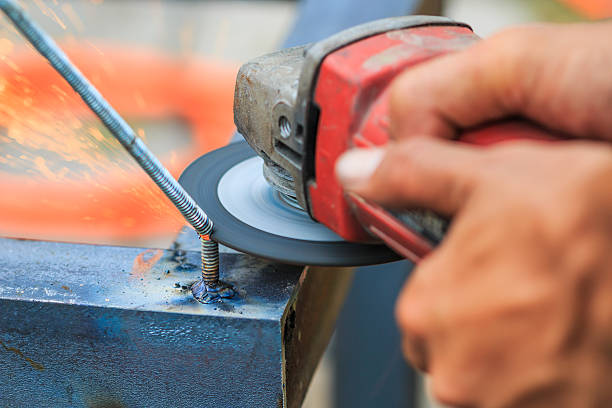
(125, 135)
(97, 326)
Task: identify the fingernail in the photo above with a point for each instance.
(355, 167)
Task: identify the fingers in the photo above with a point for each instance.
(555, 75)
(459, 90)
(414, 315)
(420, 172)
(418, 314)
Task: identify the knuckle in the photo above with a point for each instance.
(415, 351)
(390, 169)
(413, 153)
(508, 35)
(583, 213)
(404, 101)
(505, 47)
(413, 324)
(409, 313)
(517, 36)
(447, 391)
(413, 106)
(598, 162)
(414, 304)
(399, 96)
(399, 174)
(511, 53)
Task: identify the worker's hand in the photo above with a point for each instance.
(556, 75)
(514, 308)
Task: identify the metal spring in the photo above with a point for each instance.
(122, 132)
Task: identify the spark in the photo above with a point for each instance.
(48, 11)
(73, 17)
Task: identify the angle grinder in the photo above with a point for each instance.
(299, 109)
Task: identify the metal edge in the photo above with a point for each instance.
(307, 325)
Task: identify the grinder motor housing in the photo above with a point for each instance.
(301, 108)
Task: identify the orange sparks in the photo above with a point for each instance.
(48, 11)
(73, 17)
(69, 179)
(6, 47)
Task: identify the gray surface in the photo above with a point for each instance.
(179, 27)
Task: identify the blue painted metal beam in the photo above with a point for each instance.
(96, 326)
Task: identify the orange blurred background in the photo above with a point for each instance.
(593, 9)
(65, 177)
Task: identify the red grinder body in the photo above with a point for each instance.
(351, 96)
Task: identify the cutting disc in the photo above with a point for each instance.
(251, 217)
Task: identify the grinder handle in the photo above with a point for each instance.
(413, 234)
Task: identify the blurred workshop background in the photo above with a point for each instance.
(169, 67)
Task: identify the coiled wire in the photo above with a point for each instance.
(123, 133)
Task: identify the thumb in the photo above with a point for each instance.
(419, 172)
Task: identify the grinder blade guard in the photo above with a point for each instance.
(254, 218)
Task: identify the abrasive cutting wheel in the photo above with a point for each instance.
(252, 217)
